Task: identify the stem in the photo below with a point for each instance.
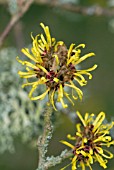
(14, 19)
(52, 161)
(43, 140)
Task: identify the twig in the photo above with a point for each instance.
(52, 161)
(44, 139)
(44, 162)
(91, 10)
(14, 19)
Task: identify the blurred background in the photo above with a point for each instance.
(21, 120)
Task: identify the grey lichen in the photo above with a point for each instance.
(18, 114)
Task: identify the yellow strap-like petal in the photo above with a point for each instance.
(53, 40)
(58, 44)
(79, 134)
(52, 99)
(67, 95)
(109, 156)
(82, 165)
(86, 116)
(56, 80)
(60, 94)
(27, 53)
(21, 73)
(27, 74)
(99, 150)
(35, 85)
(71, 59)
(67, 143)
(108, 144)
(100, 160)
(26, 63)
(41, 96)
(86, 72)
(78, 91)
(33, 89)
(98, 121)
(63, 104)
(29, 84)
(90, 151)
(90, 119)
(43, 39)
(89, 69)
(103, 138)
(70, 50)
(88, 164)
(80, 76)
(78, 127)
(71, 137)
(74, 163)
(35, 44)
(48, 36)
(80, 45)
(56, 58)
(79, 149)
(84, 57)
(81, 83)
(81, 118)
(42, 68)
(83, 153)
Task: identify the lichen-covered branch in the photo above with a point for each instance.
(52, 161)
(44, 163)
(43, 140)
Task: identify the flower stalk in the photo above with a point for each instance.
(43, 140)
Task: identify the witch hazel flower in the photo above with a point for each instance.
(55, 67)
(91, 140)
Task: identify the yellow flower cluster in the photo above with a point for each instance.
(90, 142)
(55, 67)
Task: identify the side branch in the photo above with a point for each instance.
(90, 10)
(43, 140)
(52, 161)
(94, 10)
(14, 19)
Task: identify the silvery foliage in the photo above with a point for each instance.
(18, 115)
